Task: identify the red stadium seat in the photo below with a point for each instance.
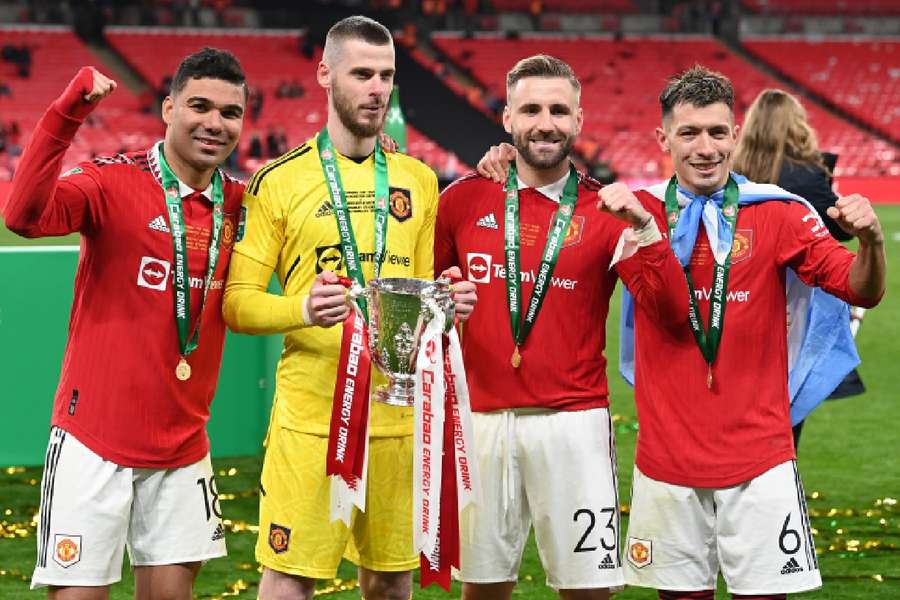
(823, 7)
(621, 81)
(862, 77)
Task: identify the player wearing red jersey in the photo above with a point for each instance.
(540, 393)
(715, 482)
(128, 461)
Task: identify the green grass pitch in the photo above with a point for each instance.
(848, 458)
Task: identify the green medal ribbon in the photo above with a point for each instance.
(187, 343)
(511, 248)
(342, 213)
(708, 341)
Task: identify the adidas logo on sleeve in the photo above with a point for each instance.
(488, 221)
(159, 224)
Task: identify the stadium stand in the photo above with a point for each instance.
(820, 7)
(269, 59)
(860, 76)
(56, 55)
(134, 120)
(621, 80)
(569, 6)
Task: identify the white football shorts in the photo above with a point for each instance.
(757, 533)
(92, 508)
(553, 469)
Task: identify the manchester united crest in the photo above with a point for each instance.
(67, 549)
(742, 247)
(400, 202)
(279, 538)
(227, 232)
(640, 552)
(575, 232)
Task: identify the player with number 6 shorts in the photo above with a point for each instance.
(716, 486)
(544, 260)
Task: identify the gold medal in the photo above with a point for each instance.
(183, 370)
(709, 377)
(516, 358)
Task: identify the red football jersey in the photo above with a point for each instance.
(118, 393)
(563, 365)
(695, 436)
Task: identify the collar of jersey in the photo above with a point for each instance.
(184, 190)
(552, 191)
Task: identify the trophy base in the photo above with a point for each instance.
(397, 393)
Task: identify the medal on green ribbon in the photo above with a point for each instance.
(511, 248)
(342, 214)
(187, 343)
(707, 340)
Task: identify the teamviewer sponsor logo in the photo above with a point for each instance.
(479, 267)
(154, 273)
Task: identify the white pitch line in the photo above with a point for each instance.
(36, 249)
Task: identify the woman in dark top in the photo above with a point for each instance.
(778, 146)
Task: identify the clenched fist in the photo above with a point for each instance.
(855, 215)
(102, 87)
(617, 200)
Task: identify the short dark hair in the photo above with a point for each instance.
(356, 27)
(541, 65)
(209, 63)
(698, 86)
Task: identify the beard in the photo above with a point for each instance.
(347, 113)
(520, 140)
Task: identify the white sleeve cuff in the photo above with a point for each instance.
(648, 234)
(632, 239)
(305, 314)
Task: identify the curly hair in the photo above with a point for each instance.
(698, 86)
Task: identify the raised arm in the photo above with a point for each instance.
(854, 214)
(40, 203)
(646, 263)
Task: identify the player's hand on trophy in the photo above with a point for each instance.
(463, 295)
(617, 200)
(855, 215)
(101, 87)
(495, 162)
(327, 303)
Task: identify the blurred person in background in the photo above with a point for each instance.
(778, 145)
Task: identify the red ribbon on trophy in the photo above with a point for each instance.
(349, 432)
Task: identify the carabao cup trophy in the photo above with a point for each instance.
(399, 310)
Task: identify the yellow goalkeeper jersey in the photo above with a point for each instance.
(289, 228)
